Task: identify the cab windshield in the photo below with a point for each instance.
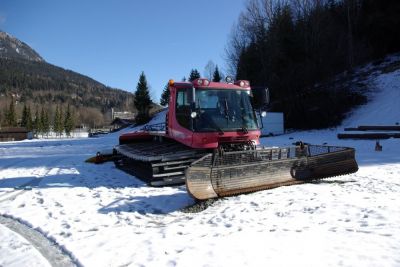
(223, 110)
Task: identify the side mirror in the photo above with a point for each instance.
(266, 98)
(191, 95)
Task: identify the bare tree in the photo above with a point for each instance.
(209, 70)
(236, 44)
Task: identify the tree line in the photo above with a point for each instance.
(296, 48)
(40, 122)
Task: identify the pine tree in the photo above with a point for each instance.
(44, 122)
(69, 122)
(37, 123)
(194, 74)
(216, 75)
(142, 100)
(24, 120)
(11, 118)
(60, 128)
(56, 121)
(29, 123)
(165, 96)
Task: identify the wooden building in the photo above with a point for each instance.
(14, 134)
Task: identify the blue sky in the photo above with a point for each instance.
(113, 41)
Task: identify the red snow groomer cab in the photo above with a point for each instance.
(207, 115)
(210, 140)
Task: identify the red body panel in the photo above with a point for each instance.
(204, 140)
(213, 140)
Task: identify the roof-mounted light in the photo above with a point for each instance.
(171, 82)
(201, 82)
(229, 79)
(243, 83)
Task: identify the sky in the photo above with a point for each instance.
(114, 41)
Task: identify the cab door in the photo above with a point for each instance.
(181, 128)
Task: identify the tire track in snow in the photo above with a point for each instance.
(50, 250)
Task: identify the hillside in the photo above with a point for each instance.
(290, 46)
(26, 77)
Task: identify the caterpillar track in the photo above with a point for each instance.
(157, 163)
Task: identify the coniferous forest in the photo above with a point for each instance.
(297, 48)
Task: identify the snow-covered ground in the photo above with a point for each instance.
(17, 251)
(104, 217)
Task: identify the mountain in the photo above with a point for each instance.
(27, 78)
(11, 47)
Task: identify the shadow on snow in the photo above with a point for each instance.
(155, 204)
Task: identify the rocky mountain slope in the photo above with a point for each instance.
(11, 47)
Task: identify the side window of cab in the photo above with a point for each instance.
(182, 108)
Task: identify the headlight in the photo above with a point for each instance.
(193, 114)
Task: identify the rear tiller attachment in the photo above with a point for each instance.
(231, 173)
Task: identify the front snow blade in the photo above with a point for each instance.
(101, 157)
(232, 173)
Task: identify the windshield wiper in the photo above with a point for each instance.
(244, 130)
(226, 108)
(198, 109)
(220, 131)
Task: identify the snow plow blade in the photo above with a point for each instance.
(101, 157)
(232, 173)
